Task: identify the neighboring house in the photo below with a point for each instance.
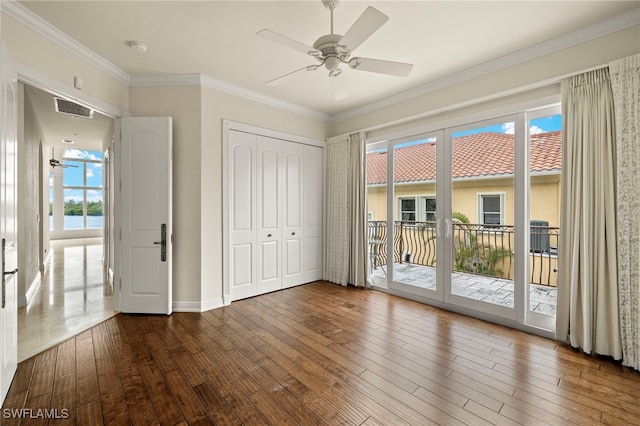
(483, 166)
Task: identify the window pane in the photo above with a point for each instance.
(94, 175)
(408, 205)
(430, 204)
(82, 154)
(408, 216)
(491, 203)
(73, 209)
(72, 175)
(94, 209)
(482, 192)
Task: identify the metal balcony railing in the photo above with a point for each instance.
(478, 249)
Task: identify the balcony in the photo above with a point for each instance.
(483, 266)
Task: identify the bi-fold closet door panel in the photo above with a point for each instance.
(312, 196)
(292, 156)
(269, 190)
(242, 253)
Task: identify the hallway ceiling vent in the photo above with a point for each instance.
(67, 107)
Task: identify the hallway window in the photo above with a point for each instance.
(83, 193)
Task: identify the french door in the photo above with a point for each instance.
(451, 220)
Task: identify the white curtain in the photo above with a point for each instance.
(346, 227)
(625, 82)
(587, 275)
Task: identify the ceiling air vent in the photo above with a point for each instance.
(72, 108)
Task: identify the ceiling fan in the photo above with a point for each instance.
(332, 50)
(57, 163)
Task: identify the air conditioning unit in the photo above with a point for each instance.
(539, 241)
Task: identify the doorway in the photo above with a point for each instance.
(66, 286)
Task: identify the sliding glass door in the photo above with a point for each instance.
(482, 231)
(403, 215)
(468, 216)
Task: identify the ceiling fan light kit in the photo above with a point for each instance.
(332, 50)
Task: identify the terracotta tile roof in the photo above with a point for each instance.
(480, 154)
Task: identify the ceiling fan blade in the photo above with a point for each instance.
(367, 24)
(284, 78)
(286, 41)
(339, 86)
(399, 69)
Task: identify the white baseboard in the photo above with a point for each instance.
(24, 300)
(206, 305)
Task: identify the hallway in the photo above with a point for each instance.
(73, 296)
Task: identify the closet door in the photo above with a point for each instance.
(242, 215)
(269, 235)
(292, 157)
(312, 213)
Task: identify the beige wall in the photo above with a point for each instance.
(30, 136)
(182, 103)
(30, 49)
(596, 52)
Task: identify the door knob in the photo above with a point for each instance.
(268, 235)
(11, 272)
(293, 233)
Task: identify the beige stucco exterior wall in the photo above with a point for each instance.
(544, 203)
(217, 106)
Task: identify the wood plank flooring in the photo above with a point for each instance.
(319, 354)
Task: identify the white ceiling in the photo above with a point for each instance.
(217, 39)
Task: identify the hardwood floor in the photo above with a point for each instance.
(319, 354)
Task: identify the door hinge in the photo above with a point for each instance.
(120, 232)
(120, 284)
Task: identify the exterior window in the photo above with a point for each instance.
(491, 209)
(408, 209)
(82, 186)
(429, 209)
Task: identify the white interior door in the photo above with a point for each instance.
(145, 214)
(242, 215)
(269, 188)
(8, 230)
(292, 157)
(312, 213)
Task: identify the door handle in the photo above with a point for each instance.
(163, 242)
(4, 274)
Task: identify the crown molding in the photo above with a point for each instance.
(31, 20)
(598, 29)
(223, 86)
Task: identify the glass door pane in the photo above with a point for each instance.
(545, 166)
(482, 218)
(376, 173)
(415, 238)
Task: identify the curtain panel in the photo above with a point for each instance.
(346, 256)
(625, 82)
(588, 286)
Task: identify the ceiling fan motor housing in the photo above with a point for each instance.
(332, 52)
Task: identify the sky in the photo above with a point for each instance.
(73, 176)
(539, 125)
